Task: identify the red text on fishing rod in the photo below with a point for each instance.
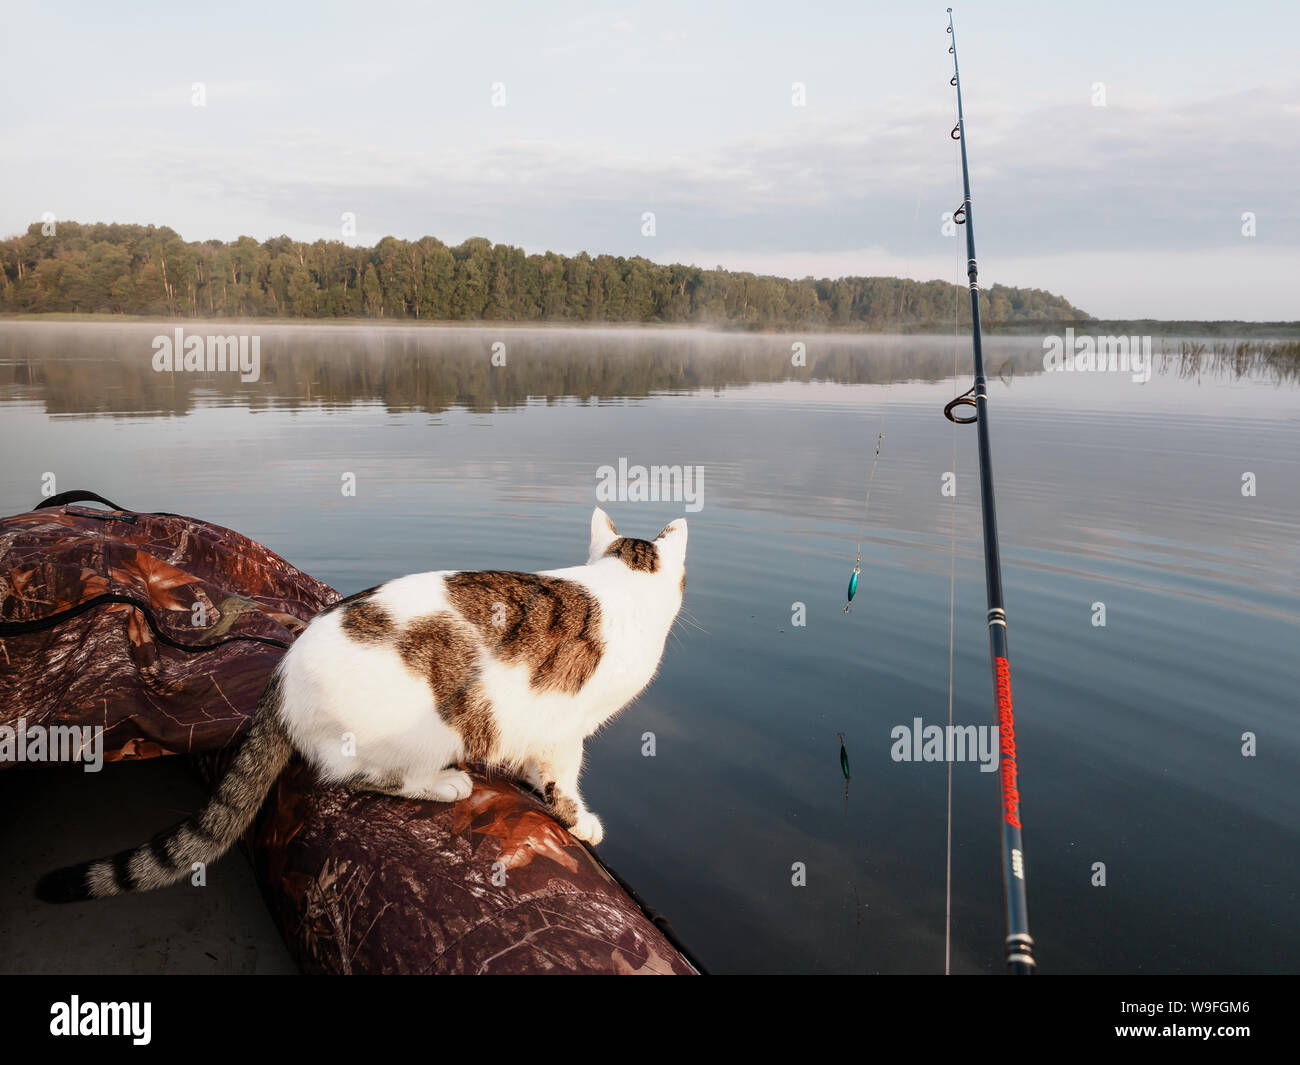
(1007, 725)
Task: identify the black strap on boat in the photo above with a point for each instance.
(81, 495)
(22, 628)
(77, 495)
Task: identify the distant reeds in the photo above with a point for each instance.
(1277, 361)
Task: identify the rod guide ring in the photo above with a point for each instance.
(964, 400)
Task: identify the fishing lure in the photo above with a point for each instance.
(844, 768)
(857, 566)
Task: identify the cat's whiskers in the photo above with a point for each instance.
(688, 618)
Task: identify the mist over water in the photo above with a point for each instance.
(1108, 491)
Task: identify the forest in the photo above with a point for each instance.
(150, 270)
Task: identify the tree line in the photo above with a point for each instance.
(151, 270)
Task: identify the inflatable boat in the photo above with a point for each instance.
(161, 631)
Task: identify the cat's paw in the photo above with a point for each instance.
(450, 785)
(588, 828)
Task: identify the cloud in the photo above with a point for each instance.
(1082, 178)
(1091, 196)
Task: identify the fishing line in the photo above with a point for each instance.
(862, 531)
(898, 322)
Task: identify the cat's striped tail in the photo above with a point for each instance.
(203, 837)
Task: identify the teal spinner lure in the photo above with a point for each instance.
(857, 566)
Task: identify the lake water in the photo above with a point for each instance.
(1109, 492)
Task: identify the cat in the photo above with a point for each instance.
(387, 690)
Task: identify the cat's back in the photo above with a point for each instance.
(497, 606)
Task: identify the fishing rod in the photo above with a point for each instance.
(1019, 943)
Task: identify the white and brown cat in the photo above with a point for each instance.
(389, 689)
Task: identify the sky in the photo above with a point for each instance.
(1129, 208)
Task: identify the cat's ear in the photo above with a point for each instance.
(603, 534)
(673, 538)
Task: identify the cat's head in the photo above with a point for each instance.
(664, 556)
